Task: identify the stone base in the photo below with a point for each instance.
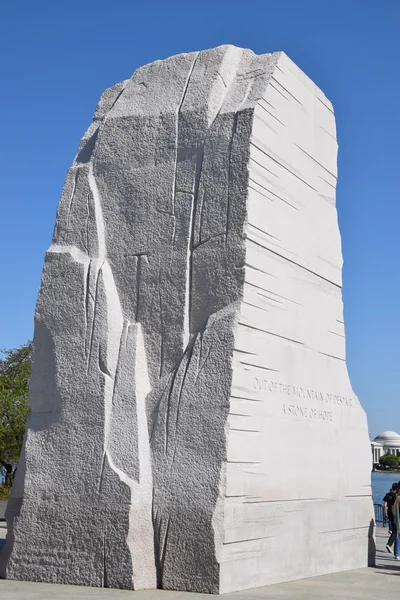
(303, 539)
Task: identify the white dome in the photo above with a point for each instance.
(389, 439)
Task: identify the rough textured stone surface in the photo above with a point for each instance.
(193, 425)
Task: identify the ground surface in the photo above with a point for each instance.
(379, 583)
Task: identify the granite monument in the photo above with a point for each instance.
(193, 425)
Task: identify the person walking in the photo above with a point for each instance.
(396, 522)
(388, 502)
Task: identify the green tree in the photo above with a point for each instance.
(389, 460)
(15, 369)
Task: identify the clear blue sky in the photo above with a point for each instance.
(57, 56)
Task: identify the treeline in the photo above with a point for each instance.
(15, 370)
(389, 461)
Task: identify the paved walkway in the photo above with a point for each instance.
(379, 583)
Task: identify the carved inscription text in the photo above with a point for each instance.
(294, 393)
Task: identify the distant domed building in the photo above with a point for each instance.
(387, 442)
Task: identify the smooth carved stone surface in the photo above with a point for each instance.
(193, 426)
